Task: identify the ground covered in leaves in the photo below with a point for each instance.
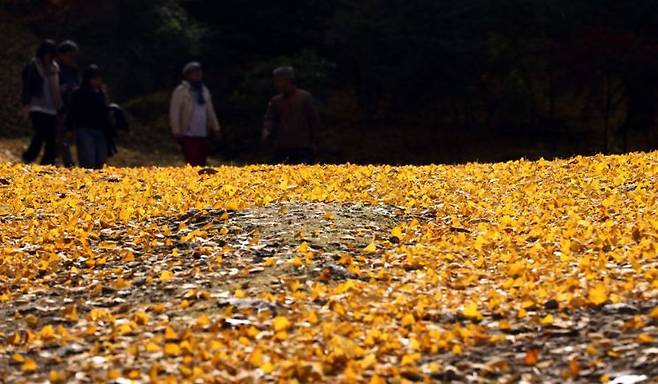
(518, 272)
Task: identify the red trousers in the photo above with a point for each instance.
(195, 150)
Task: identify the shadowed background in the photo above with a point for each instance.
(417, 81)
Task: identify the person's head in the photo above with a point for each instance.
(284, 79)
(92, 77)
(193, 72)
(46, 51)
(67, 53)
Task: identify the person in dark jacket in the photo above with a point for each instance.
(69, 82)
(88, 118)
(41, 101)
(291, 121)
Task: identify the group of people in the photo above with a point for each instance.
(67, 107)
(291, 121)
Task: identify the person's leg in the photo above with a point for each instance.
(32, 152)
(308, 157)
(301, 156)
(281, 156)
(186, 146)
(62, 142)
(100, 141)
(202, 152)
(85, 144)
(196, 150)
(50, 138)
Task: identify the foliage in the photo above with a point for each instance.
(254, 90)
(17, 42)
(519, 70)
(149, 118)
(140, 44)
(191, 274)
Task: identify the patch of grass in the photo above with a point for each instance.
(128, 156)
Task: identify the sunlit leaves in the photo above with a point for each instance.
(166, 276)
(29, 366)
(474, 257)
(471, 311)
(654, 313)
(598, 294)
(397, 233)
(170, 334)
(172, 349)
(280, 323)
(548, 320)
(532, 357)
(370, 248)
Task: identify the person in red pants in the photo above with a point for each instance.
(193, 117)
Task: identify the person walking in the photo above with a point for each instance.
(89, 120)
(291, 121)
(193, 117)
(69, 82)
(41, 101)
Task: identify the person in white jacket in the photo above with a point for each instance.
(193, 117)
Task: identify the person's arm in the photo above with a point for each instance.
(26, 91)
(313, 119)
(107, 122)
(175, 113)
(270, 121)
(72, 113)
(215, 127)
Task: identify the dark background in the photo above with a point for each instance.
(397, 81)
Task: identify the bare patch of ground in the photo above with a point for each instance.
(221, 260)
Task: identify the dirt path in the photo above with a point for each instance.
(226, 262)
(217, 259)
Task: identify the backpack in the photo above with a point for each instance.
(118, 118)
(118, 122)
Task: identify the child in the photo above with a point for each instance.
(89, 120)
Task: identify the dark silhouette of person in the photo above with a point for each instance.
(291, 121)
(89, 120)
(69, 82)
(41, 101)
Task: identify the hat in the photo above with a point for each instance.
(67, 46)
(194, 65)
(47, 47)
(91, 72)
(286, 72)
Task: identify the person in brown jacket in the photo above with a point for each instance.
(291, 121)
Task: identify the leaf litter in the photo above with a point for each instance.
(518, 272)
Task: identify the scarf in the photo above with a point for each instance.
(198, 89)
(51, 76)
